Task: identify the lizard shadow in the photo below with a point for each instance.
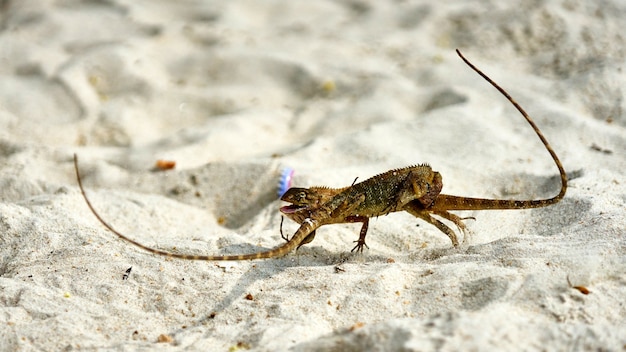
(262, 270)
(315, 256)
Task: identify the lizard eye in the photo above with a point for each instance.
(302, 195)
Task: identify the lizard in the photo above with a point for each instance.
(375, 190)
(415, 189)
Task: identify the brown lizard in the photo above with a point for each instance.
(414, 189)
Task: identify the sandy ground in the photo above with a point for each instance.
(234, 92)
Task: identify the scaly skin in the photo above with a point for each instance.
(415, 189)
(380, 195)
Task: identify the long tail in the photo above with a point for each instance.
(305, 229)
(446, 202)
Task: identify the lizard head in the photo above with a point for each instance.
(304, 200)
(300, 198)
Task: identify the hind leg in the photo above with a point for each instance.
(458, 221)
(420, 212)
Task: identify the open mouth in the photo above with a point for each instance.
(290, 209)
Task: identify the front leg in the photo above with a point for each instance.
(347, 207)
(360, 243)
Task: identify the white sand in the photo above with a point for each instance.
(235, 91)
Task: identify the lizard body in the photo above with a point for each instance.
(414, 189)
(380, 195)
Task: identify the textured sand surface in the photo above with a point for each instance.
(235, 91)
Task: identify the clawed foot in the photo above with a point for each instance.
(359, 246)
(463, 228)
